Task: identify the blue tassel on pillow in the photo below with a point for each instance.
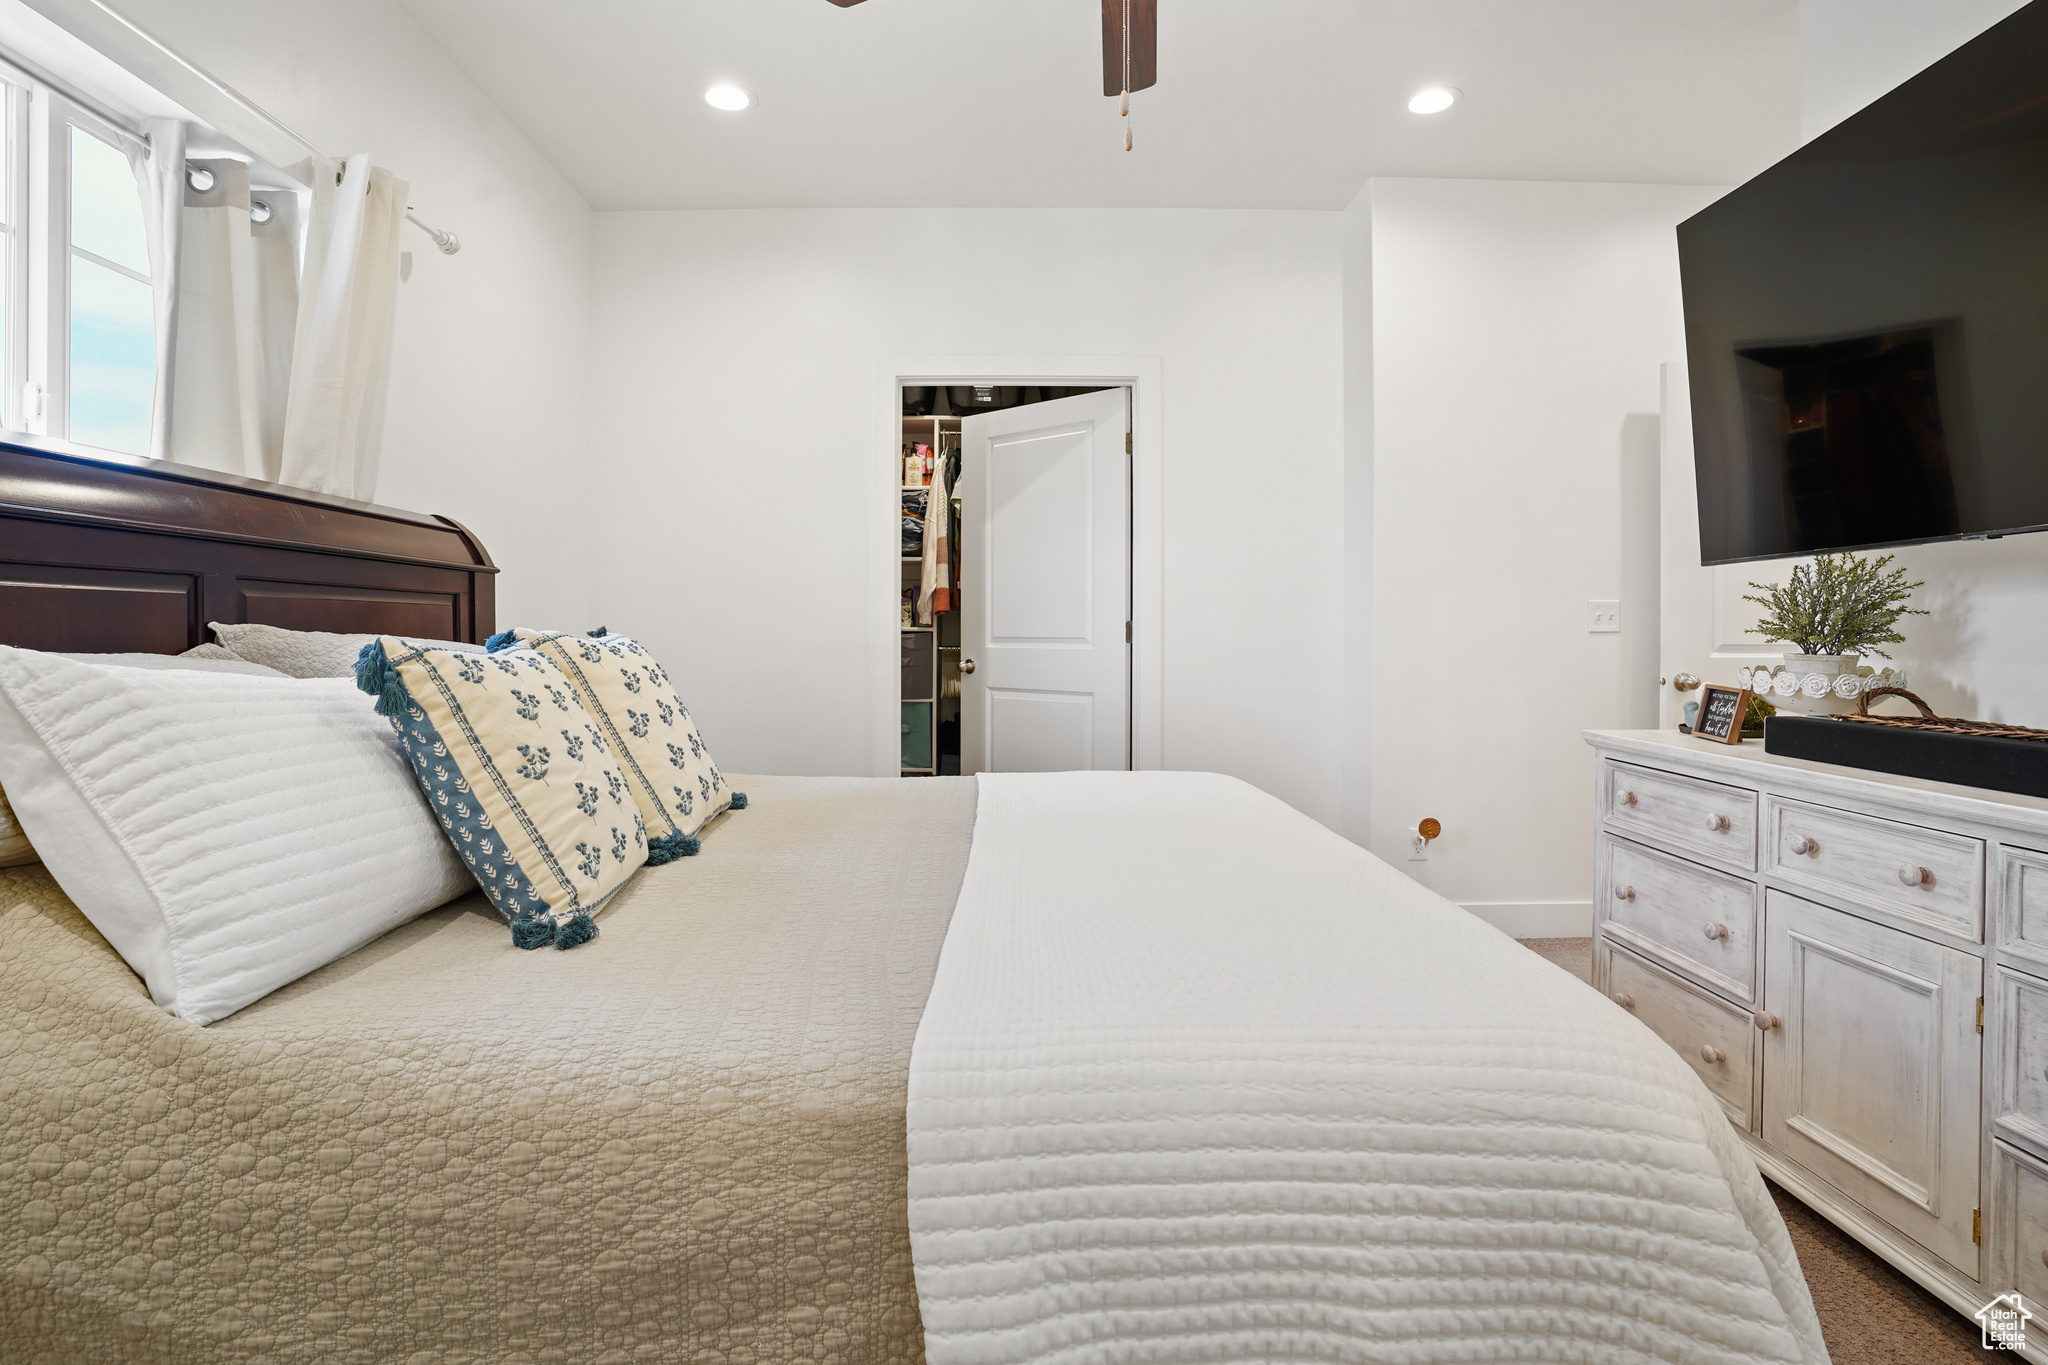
(533, 933)
(504, 639)
(597, 634)
(670, 847)
(577, 930)
(376, 676)
(739, 801)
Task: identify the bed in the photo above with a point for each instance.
(1050, 1067)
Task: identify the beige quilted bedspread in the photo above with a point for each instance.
(682, 1142)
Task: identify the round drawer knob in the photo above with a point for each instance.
(1718, 823)
(1717, 931)
(1712, 1054)
(1628, 798)
(1624, 893)
(1764, 1020)
(1911, 875)
(1625, 1000)
(1804, 846)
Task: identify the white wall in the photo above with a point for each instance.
(1852, 51)
(1356, 821)
(733, 416)
(490, 371)
(1515, 334)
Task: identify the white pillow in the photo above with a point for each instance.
(308, 653)
(226, 834)
(202, 658)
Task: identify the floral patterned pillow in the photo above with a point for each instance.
(523, 781)
(675, 784)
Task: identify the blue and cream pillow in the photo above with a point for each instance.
(523, 781)
(675, 784)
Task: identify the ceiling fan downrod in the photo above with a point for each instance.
(1130, 51)
(1127, 75)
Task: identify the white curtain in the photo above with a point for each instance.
(160, 176)
(266, 369)
(275, 246)
(341, 353)
(217, 397)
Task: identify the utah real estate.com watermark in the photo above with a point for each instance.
(2005, 1323)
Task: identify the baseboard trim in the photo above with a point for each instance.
(1538, 919)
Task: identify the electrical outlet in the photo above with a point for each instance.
(1603, 616)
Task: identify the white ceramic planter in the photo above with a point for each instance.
(1817, 684)
(1831, 664)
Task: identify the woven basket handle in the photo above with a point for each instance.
(1863, 702)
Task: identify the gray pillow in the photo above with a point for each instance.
(199, 659)
(308, 653)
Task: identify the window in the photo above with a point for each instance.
(78, 346)
(112, 313)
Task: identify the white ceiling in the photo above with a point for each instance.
(1260, 103)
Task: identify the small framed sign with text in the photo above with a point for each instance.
(1721, 713)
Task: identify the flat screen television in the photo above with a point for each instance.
(1866, 322)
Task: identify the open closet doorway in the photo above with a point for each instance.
(1016, 608)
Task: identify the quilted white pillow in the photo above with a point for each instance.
(226, 834)
(200, 658)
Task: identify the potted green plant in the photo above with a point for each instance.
(1835, 610)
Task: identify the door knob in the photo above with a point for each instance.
(1764, 1020)
(1685, 682)
(967, 665)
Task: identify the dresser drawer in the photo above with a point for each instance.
(2019, 1008)
(1924, 875)
(1690, 814)
(1716, 1039)
(2016, 1227)
(2023, 906)
(1697, 921)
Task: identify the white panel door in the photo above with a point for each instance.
(1874, 1068)
(1045, 586)
(1703, 621)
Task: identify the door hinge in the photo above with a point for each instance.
(1980, 1014)
(1977, 1225)
(1127, 632)
(1127, 443)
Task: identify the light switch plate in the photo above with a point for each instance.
(1603, 616)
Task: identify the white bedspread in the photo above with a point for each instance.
(1199, 1080)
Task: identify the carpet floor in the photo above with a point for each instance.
(1869, 1312)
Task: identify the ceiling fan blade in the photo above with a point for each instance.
(1144, 44)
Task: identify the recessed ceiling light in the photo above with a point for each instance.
(1432, 99)
(729, 97)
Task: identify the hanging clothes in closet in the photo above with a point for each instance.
(935, 582)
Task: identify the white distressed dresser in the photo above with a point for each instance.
(1856, 964)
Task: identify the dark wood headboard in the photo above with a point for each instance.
(118, 554)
